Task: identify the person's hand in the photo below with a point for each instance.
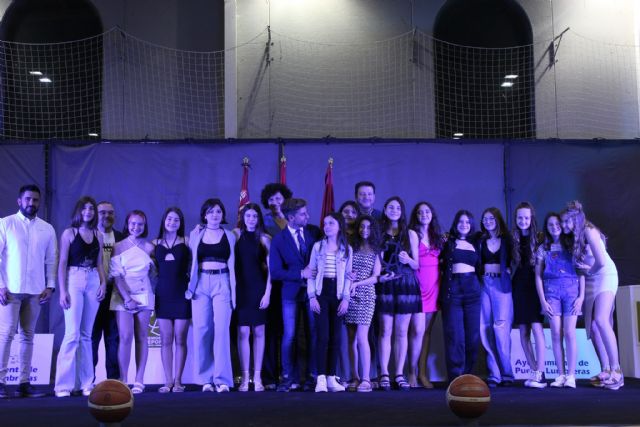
(386, 277)
(547, 308)
(45, 296)
(576, 309)
(342, 307)
(264, 301)
(352, 291)
(307, 273)
(65, 300)
(4, 296)
(351, 275)
(314, 305)
(131, 305)
(102, 291)
(404, 257)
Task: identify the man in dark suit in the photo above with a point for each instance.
(288, 256)
(105, 319)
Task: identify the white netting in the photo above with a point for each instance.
(116, 86)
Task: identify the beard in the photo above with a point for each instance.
(29, 211)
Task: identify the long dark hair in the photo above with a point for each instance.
(453, 231)
(516, 234)
(548, 238)
(76, 216)
(374, 235)
(501, 225)
(580, 223)
(259, 226)
(177, 211)
(403, 231)
(434, 231)
(341, 238)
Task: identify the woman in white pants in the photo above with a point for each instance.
(82, 286)
(212, 289)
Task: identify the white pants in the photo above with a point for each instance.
(74, 369)
(211, 315)
(21, 312)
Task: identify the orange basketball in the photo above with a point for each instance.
(468, 396)
(111, 401)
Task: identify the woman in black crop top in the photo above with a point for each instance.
(497, 305)
(82, 286)
(212, 290)
(460, 296)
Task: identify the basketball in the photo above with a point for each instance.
(110, 401)
(468, 396)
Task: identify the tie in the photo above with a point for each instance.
(301, 245)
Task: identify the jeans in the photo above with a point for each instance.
(74, 368)
(461, 323)
(328, 329)
(21, 311)
(106, 324)
(292, 354)
(211, 307)
(495, 327)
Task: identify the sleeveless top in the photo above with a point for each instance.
(214, 252)
(83, 254)
(489, 257)
(464, 256)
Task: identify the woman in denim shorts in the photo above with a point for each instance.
(561, 293)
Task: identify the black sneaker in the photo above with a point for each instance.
(27, 390)
(3, 391)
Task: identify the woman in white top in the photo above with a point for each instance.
(131, 266)
(329, 294)
(601, 284)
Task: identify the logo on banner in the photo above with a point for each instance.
(153, 339)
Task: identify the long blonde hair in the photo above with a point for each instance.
(516, 234)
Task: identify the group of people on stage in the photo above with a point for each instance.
(364, 288)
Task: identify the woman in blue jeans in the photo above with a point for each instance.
(460, 296)
(497, 304)
(561, 294)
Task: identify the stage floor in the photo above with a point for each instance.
(515, 406)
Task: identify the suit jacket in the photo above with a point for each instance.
(286, 263)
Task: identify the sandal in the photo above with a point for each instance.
(364, 386)
(384, 382)
(178, 388)
(137, 388)
(353, 385)
(401, 383)
(163, 389)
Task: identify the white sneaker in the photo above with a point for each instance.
(86, 391)
(207, 387)
(321, 384)
(333, 385)
(559, 381)
(539, 381)
(222, 388)
(63, 393)
(532, 377)
(570, 381)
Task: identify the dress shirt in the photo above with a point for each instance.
(28, 255)
(294, 234)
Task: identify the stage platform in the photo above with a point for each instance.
(514, 406)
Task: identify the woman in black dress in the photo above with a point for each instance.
(173, 310)
(253, 291)
(527, 311)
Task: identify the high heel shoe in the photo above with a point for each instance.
(598, 380)
(615, 380)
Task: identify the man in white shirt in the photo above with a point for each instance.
(28, 267)
(105, 323)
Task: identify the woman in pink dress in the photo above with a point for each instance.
(424, 222)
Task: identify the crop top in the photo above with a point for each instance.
(214, 252)
(461, 256)
(487, 256)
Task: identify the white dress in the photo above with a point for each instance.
(606, 280)
(133, 266)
